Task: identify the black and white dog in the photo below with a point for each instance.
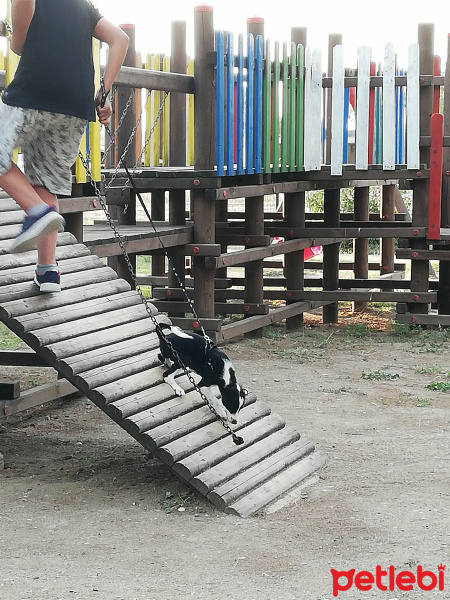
(191, 350)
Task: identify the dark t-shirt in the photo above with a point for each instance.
(56, 72)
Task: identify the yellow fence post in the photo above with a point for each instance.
(165, 119)
(94, 128)
(190, 136)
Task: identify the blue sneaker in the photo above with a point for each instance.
(49, 282)
(36, 228)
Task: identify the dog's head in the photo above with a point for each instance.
(233, 398)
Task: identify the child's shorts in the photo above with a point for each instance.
(49, 142)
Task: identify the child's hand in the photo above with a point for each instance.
(103, 112)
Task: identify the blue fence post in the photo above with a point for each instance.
(230, 105)
(220, 89)
(240, 108)
(249, 104)
(258, 103)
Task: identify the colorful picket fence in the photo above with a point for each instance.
(270, 113)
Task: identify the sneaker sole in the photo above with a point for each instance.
(47, 224)
(47, 288)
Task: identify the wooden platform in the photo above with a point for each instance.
(97, 334)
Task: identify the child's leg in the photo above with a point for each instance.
(47, 245)
(18, 187)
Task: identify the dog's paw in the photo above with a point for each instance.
(180, 392)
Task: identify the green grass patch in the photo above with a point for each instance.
(380, 376)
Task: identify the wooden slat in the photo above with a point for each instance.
(413, 108)
(74, 312)
(389, 108)
(279, 450)
(72, 365)
(80, 327)
(362, 109)
(74, 265)
(163, 413)
(337, 111)
(85, 343)
(64, 239)
(69, 281)
(120, 369)
(24, 306)
(313, 115)
(194, 454)
(271, 490)
(255, 423)
(227, 474)
(139, 402)
(13, 261)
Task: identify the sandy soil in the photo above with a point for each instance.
(86, 513)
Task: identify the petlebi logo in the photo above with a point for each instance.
(389, 579)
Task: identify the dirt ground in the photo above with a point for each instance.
(86, 513)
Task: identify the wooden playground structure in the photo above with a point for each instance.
(225, 149)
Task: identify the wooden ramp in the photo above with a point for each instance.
(96, 333)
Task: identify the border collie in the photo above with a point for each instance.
(211, 364)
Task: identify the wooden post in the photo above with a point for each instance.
(254, 221)
(74, 221)
(387, 245)
(444, 266)
(128, 216)
(361, 245)
(204, 156)
(331, 214)
(177, 150)
(420, 268)
(332, 209)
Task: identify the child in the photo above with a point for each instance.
(45, 109)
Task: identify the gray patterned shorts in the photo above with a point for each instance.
(49, 142)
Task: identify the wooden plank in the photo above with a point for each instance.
(362, 109)
(81, 327)
(435, 320)
(274, 316)
(69, 281)
(13, 261)
(223, 476)
(64, 239)
(337, 111)
(40, 395)
(72, 365)
(249, 470)
(21, 274)
(413, 108)
(183, 425)
(120, 369)
(124, 387)
(162, 413)
(21, 358)
(389, 108)
(211, 443)
(24, 306)
(279, 484)
(313, 113)
(74, 312)
(134, 404)
(85, 343)
(371, 296)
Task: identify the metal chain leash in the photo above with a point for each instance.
(236, 439)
